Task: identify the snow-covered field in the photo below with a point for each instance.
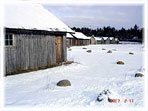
(90, 75)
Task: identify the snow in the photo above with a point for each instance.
(90, 75)
(68, 35)
(116, 39)
(111, 38)
(105, 38)
(128, 42)
(98, 38)
(80, 35)
(32, 16)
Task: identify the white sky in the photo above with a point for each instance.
(94, 16)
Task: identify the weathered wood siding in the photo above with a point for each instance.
(71, 42)
(92, 40)
(113, 41)
(98, 42)
(107, 41)
(82, 42)
(32, 52)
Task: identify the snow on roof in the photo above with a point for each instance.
(98, 38)
(111, 38)
(68, 35)
(116, 39)
(80, 35)
(105, 38)
(32, 16)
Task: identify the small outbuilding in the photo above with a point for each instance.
(116, 40)
(92, 40)
(112, 40)
(106, 40)
(81, 39)
(70, 40)
(34, 38)
(99, 40)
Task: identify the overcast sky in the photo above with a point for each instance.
(98, 16)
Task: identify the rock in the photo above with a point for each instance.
(109, 51)
(89, 51)
(139, 75)
(106, 92)
(120, 62)
(103, 95)
(84, 48)
(110, 100)
(114, 50)
(64, 83)
(103, 49)
(99, 99)
(131, 53)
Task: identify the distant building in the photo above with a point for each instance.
(70, 40)
(116, 40)
(81, 39)
(92, 40)
(112, 40)
(99, 40)
(106, 40)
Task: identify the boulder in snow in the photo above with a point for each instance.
(109, 100)
(103, 49)
(103, 95)
(109, 51)
(139, 75)
(84, 48)
(89, 51)
(64, 83)
(120, 62)
(131, 53)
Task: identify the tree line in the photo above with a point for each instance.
(132, 34)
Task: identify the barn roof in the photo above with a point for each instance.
(111, 38)
(80, 35)
(116, 39)
(34, 17)
(68, 35)
(98, 38)
(105, 38)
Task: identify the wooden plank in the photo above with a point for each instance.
(33, 51)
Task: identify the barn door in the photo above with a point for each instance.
(59, 49)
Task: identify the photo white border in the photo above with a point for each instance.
(77, 2)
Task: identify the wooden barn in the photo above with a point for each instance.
(106, 40)
(34, 38)
(70, 40)
(112, 40)
(116, 40)
(99, 40)
(81, 39)
(92, 40)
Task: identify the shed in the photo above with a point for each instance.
(112, 40)
(70, 40)
(92, 40)
(106, 40)
(34, 38)
(99, 40)
(116, 40)
(81, 39)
